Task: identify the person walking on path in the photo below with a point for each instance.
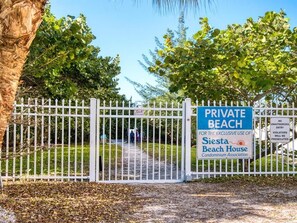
(137, 136)
(132, 135)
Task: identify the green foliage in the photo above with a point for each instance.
(253, 61)
(63, 63)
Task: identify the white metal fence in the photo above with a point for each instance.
(47, 139)
(72, 140)
(268, 158)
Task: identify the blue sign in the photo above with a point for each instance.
(224, 118)
(224, 132)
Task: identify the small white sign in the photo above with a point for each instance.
(280, 130)
(139, 112)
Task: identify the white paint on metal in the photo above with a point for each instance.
(39, 132)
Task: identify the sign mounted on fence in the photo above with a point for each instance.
(139, 111)
(224, 132)
(280, 130)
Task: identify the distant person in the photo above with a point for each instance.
(103, 138)
(137, 136)
(132, 135)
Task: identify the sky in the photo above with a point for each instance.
(128, 29)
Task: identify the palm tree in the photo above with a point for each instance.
(19, 21)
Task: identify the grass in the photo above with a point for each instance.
(59, 160)
(272, 163)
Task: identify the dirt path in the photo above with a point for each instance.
(200, 202)
(139, 165)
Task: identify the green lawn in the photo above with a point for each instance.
(62, 161)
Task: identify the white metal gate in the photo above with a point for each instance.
(136, 143)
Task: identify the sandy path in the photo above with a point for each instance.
(138, 165)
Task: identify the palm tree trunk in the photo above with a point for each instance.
(19, 20)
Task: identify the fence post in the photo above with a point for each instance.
(93, 115)
(188, 133)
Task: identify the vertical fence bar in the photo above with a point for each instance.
(265, 141)
(14, 144)
(98, 138)
(56, 138)
(203, 163)
(188, 113)
(103, 142)
(123, 138)
(196, 146)
(75, 140)
(49, 141)
(220, 161)
(141, 147)
(129, 140)
(282, 148)
(226, 160)
(21, 138)
(62, 139)
(69, 139)
(208, 161)
(109, 145)
(271, 144)
(82, 140)
(160, 132)
(42, 138)
(276, 144)
(214, 161)
(148, 141)
(165, 149)
(260, 140)
(154, 139)
(249, 160)
(7, 152)
(293, 137)
(35, 137)
(28, 139)
(255, 143)
(177, 142)
(288, 164)
(171, 143)
(92, 140)
(116, 143)
(135, 146)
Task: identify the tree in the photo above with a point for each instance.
(250, 62)
(19, 21)
(62, 63)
